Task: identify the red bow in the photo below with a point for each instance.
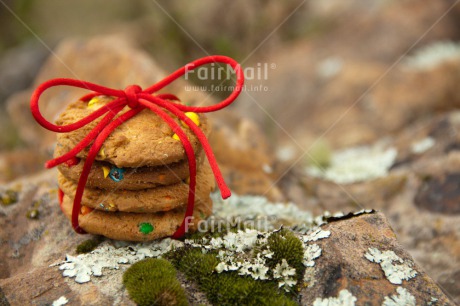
(138, 100)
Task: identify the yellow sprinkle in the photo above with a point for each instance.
(106, 171)
(94, 103)
(101, 153)
(194, 117)
(176, 137)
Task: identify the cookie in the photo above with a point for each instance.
(144, 140)
(107, 176)
(137, 226)
(162, 198)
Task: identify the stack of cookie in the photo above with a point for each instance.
(137, 189)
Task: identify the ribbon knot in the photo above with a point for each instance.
(131, 95)
(138, 100)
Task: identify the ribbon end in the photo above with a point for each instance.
(225, 193)
(49, 165)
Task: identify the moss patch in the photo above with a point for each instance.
(153, 282)
(88, 245)
(9, 197)
(227, 288)
(285, 245)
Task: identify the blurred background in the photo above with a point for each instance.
(380, 78)
(320, 58)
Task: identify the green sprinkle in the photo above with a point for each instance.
(146, 228)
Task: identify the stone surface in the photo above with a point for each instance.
(338, 264)
(343, 265)
(418, 196)
(76, 58)
(349, 84)
(18, 68)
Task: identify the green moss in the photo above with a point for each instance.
(8, 197)
(88, 245)
(153, 282)
(285, 245)
(193, 262)
(227, 288)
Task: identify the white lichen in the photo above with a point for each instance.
(357, 164)
(311, 252)
(433, 55)
(329, 67)
(60, 301)
(402, 298)
(285, 153)
(433, 301)
(396, 270)
(316, 235)
(423, 145)
(363, 211)
(285, 274)
(253, 207)
(345, 298)
(109, 256)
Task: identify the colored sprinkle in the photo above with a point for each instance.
(106, 171)
(116, 174)
(85, 210)
(101, 153)
(95, 103)
(146, 228)
(176, 137)
(192, 116)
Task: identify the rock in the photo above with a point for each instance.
(18, 68)
(348, 269)
(40, 286)
(21, 162)
(244, 156)
(344, 260)
(324, 87)
(76, 58)
(418, 195)
(440, 195)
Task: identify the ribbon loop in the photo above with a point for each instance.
(131, 95)
(137, 99)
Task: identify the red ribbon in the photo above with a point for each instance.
(138, 100)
